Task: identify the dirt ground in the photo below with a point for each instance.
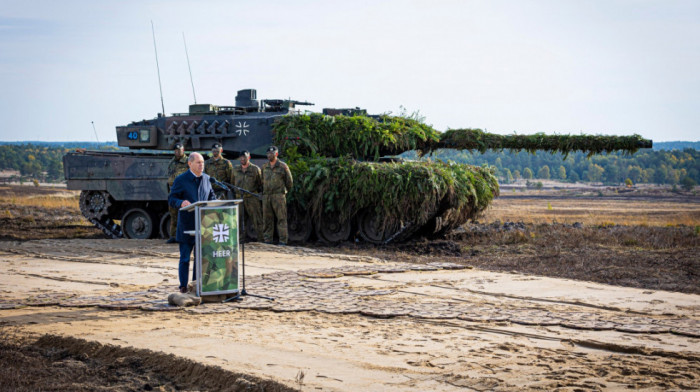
(494, 306)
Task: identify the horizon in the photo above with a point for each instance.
(567, 67)
(655, 146)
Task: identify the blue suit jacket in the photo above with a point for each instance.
(185, 188)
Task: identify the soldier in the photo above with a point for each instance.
(176, 167)
(277, 181)
(249, 177)
(217, 166)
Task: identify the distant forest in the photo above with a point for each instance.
(675, 167)
(42, 161)
(676, 163)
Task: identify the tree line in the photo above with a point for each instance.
(44, 162)
(675, 167)
(40, 161)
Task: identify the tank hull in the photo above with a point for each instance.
(121, 186)
(125, 195)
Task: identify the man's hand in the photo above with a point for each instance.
(184, 204)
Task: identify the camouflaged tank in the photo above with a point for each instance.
(348, 182)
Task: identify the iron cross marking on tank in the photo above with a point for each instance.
(241, 128)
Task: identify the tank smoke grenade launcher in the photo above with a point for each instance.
(344, 185)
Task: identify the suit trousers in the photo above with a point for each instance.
(184, 266)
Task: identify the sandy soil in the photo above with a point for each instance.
(356, 322)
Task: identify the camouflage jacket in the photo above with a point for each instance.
(221, 169)
(250, 180)
(277, 179)
(175, 168)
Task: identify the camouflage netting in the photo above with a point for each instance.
(361, 137)
(368, 138)
(404, 192)
(476, 139)
(333, 160)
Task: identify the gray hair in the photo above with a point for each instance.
(193, 156)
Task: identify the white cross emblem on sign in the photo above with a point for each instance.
(220, 232)
(241, 128)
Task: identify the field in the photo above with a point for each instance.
(29, 212)
(648, 206)
(552, 289)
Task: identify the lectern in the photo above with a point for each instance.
(217, 252)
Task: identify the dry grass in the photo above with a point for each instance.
(646, 240)
(44, 201)
(594, 212)
(44, 197)
(30, 212)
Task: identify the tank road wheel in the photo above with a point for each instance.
(330, 230)
(94, 204)
(373, 228)
(299, 225)
(137, 224)
(165, 225)
(370, 227)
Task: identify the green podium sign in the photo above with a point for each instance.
(218, 249)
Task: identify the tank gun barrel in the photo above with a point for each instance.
(284, 103)
(476, 139)
(370, 137)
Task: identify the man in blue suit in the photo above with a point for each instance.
(189, 187)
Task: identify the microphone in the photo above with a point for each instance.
(220, 184)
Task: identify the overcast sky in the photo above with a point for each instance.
(599, 67)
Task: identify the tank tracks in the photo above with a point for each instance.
(109, 227)
(94, 205)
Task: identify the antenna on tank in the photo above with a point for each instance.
(94, 130)
(160, 86)
(190, 68)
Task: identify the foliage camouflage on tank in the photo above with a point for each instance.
(392, 201)
(347, 179)
(476, 139)
(361, 137)
(369, 137)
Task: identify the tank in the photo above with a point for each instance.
(348, 181)
(124, 193)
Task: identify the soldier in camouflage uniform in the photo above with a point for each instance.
(249, 177)
(218, 167)
(176, 167)
(277, 181)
